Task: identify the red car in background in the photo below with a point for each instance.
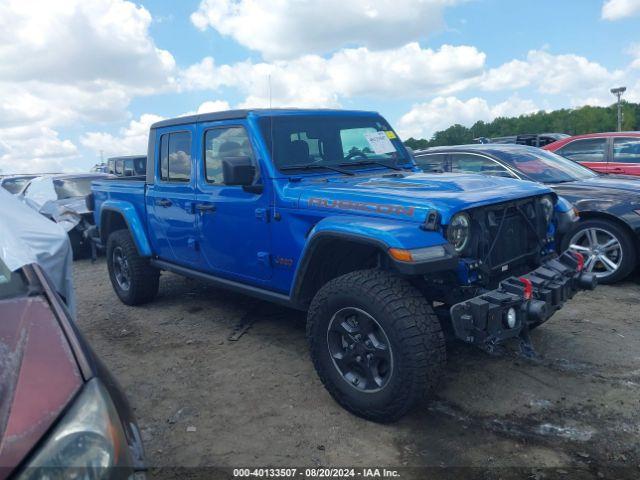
(614, 152)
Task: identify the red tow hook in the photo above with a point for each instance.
(580, 260)
(528, 288)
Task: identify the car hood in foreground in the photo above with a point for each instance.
(410, 195)
(39, 376)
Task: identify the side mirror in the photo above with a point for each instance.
(238, 171)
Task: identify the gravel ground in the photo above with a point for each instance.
(205, 401)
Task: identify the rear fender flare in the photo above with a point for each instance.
(133, 221)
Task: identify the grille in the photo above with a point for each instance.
(514, 240)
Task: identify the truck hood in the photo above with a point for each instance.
(409, 196)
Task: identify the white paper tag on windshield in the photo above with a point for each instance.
(379, 142)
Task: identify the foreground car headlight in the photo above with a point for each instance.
(547, 207)
(459, 231)
(88, 440)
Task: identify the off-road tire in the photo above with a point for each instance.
(629, 254)
(144, 279)
(413, 330)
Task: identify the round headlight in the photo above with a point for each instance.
(547, 207)
(459, 231)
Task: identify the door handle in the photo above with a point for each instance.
(165, 202)
(205, 207)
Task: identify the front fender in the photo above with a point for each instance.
(133, 221)
(385, 233)
(381, 233)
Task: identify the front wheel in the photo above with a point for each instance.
(608, 250)
(133, 279)
(376, 344)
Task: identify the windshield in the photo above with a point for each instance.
(326, 141)
(546, 167)
(73, 187)
(14, 185)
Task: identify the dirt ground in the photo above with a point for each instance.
(205, 401)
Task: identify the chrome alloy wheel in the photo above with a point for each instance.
(601, 249)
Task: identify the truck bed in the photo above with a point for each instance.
(126, 189)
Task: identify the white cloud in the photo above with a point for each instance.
(617, 9)
(131, 140)
(70, 62)
(77, 41)
(213, 106)
(550, 74)
(313, 80)
(34, 150)
(424, 119)
(287, 28)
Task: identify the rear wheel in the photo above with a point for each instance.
(608, 250)
(375, 343)
(133, 279)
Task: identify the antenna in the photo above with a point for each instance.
(269, 90)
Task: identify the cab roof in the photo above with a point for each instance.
(263, 112)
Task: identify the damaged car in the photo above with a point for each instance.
(62, 414)
(61, 198)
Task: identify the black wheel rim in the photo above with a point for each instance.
(121, 269)
(360, 349)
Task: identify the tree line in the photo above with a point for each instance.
(577, 121)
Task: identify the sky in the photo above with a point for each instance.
(82, 80)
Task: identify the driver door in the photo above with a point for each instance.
(233, 222)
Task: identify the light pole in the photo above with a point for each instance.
(618, 93)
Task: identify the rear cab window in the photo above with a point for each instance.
(175, 157)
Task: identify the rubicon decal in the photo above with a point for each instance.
(362, 206)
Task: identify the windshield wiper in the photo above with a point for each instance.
(311, 166)
(371, 162)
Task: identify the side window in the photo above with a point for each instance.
(433, 162)
(626, 150)
(586, 150)
(175, 157)
(128, 168)
(119, 168)
(221, 143)
(469, 163)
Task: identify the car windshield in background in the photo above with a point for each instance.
(73, 187)
(14, 185)
(303, 142)
(547, 167)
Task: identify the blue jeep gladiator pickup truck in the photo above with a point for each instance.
(326, 212)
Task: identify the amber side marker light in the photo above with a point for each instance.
(418, 254)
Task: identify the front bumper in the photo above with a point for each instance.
(534, 298)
